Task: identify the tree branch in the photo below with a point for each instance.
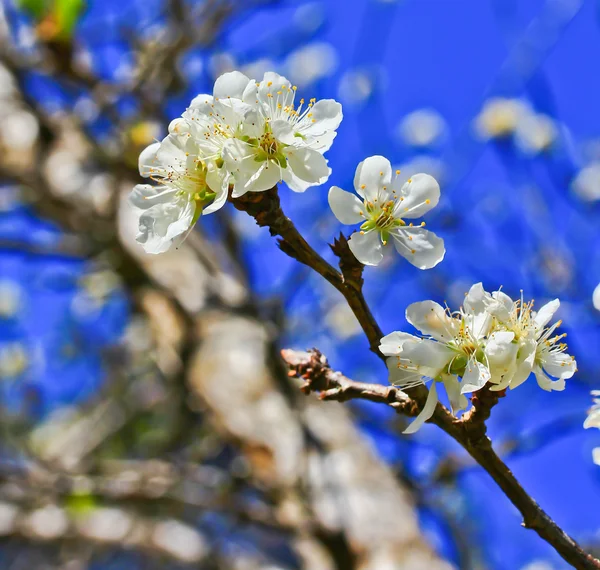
(470, 431)
(265, 208)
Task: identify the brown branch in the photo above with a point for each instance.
(313, 368)
(470, 432)
(265, 208)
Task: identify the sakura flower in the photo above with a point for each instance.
(453, 346)
(281, 140)
(213, 120)
(384, 205)
(538, 349)
(187, 187)
(492, 340)
(256, 132)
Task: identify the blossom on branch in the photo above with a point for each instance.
(258, 134)
(247, 134)
(491, 340)
(187, 187)
(384, 203)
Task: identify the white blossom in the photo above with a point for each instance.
(593, 420)
(491, 339)
(538, 350)
(384, 203)
(187, 187)
(259, 134)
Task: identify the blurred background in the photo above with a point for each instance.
(147, 421)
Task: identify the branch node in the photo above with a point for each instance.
(351, 268)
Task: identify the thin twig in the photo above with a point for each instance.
(470, 431)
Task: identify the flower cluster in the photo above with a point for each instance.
(490, 340)
(247, 134)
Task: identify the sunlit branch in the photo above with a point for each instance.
(470, 431)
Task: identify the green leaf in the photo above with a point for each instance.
(37, 8)
(66, 13)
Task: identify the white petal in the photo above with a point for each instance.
(391, 344)
(144, 196)
(432, 320)
(276, 85)
(429, 356)
(501, 353)
(179, 127)
(230, 84)
(475, 377)
(366, 247)
(308, 165)
(326, 116)
(218, 181)
(475, 299)
(267, 176)
(294, 182)
(420, 195)
(478, 318)
(500, 305)
(148, 162)
(457, 400)
(593, 419)
(171, 152)
(239, 160)
(321, 142)
(200, 101)
(283, 131)
(427, 412)
(399, 376)
(546, 383)
(161, 223)
(543, 316)
(525, 362)
(372, 174)
(559, 365)
(346, 207)
(419, 246)
(239, 155)
(498, 348)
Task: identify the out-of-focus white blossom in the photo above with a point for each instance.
(587, 183)
(593, 420)
(500, 117)
(105, 524)
(311, 63)
(535, 133)
(491, 339)
(423, 127)
(385, 202)
(179, 540)
(596, 297)
(11, 299)
(48, 523)
(355, 87)
(8, 518)
(14, 360)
